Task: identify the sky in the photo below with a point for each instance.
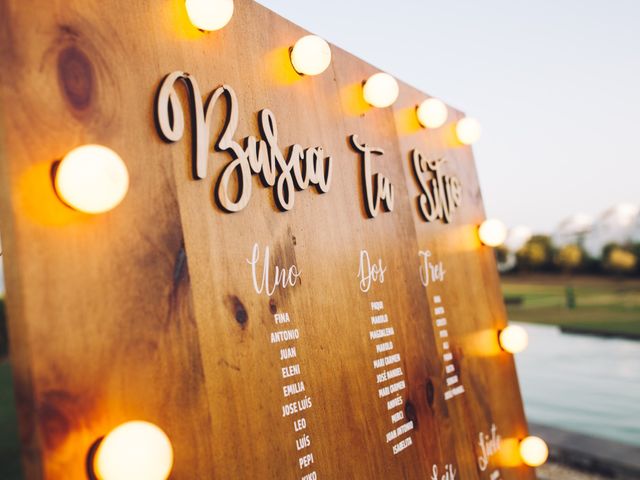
(554, 83)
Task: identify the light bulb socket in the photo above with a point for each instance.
(91, 458)
(292, 63)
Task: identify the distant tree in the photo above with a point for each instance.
(502, 253)
(536, 254)
(591, 264)
(506, 260)
(4, 342)
(569, 258)
(619, 260)
(606, 250)
(635, 249)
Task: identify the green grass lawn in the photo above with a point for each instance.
(9, 447)
(603, 305)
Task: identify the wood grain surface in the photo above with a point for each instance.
(151, 312)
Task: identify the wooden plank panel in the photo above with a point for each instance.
(391, 237)
(152, 310)
(100, 308)
(469, 295)
(323, 236)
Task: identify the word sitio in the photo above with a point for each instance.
(441, 194)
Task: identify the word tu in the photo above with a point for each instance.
(282, 277)
(297, 171)
(430, 271)
(441, 194)
(376, 187)
(489, 446)
(369, 273)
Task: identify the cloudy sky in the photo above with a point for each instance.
(555, 83)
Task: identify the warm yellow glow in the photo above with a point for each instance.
(209, 15)
(381, 90)
(514, 339)
(509, 454)
(432, 113)
(92, 179)
(468, 130)
(492, 232)
(534, 451)
(134, 451)
(311, 55)
(481, 343)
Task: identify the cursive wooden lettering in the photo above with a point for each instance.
(441, 194)
(376, 187)
(296, 171)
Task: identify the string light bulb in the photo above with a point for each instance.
(513, 339)
(381, 90)
(492, 232)
(209, 15)
(468, 130)
(533, 451)
(432, 113)
(92, 179)
(137, 449)
(311, 55)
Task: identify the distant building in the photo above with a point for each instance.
(572, 230)
(619, 224)
(635, 230)
(517, 237)
(616, 225)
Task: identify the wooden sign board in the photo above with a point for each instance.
(250, 300)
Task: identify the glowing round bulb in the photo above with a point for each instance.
(492, 232)
(533, 451)
(311, 55)
(209, 15)
(468, 130)
(92, 179)
(432, 113)
(134, 450)
(514, 339)
(381, 90)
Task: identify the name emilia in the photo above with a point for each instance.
(285, 172)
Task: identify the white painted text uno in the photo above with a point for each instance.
(283, 277)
